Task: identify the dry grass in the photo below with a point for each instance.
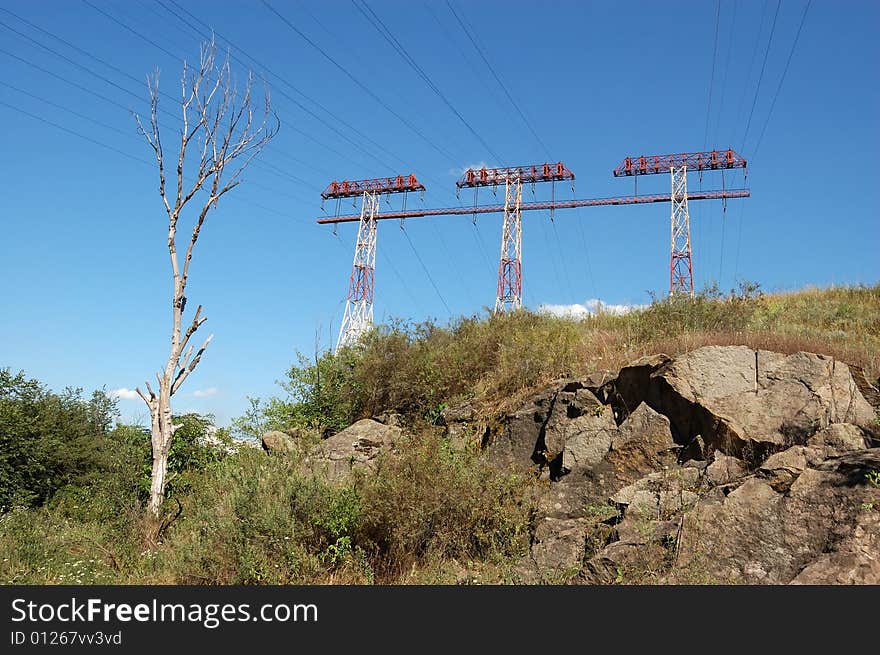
(495, 361)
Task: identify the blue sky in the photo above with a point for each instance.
(86, 283)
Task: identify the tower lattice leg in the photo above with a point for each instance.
(358, 317)
(681, 271)
(509, 295)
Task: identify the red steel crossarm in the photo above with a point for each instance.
(525, 174)
(694, 161)
(559, 204)
(352, 188)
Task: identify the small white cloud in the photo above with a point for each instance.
(588, 308)
(458, 172)
(128, 394)
(205, 393)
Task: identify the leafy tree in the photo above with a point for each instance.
(48, 440)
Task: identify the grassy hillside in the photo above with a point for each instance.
(417, 369)
(428, 515)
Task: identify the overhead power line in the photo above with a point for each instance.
(497, 78)
(405, 121)
(761, 75)
(427, 272)
(324, 110)
(106, 126)
(782, 79)
(712, 76)
(726, 70)
(376, 22)
(75, 133)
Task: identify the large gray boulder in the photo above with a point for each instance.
(536, 434)
(357, 447)
(279, 442)
(816, 529)
(747, 403)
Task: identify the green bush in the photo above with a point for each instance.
(435, 502)
(48, 440)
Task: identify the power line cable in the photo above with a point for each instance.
(497, 78)
(717, 126)
(322, 108)
(85, 117)
(782, 79)
(748, 124)
(712, 76)
(761, 75)
(72, 62)
(425, 268)
(726, 70)
(377, 23)
(360, 84)
(75, 133)
(112, 83)
(164, 50)
(755, 49)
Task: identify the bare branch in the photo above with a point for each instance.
(184, 372)
(223, 132)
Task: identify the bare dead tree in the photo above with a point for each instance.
(225, 131)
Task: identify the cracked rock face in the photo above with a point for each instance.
(356, 447)
(743, 402)
(819, 528)
(773, 488)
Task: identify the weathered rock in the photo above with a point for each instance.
(278, 442)
(620, 560)
(463, 413)
(782, 469)
(744, 402)
(757, 535)
(390, 418)
(515, 443)
(357, 447)
(725, 469)
(660, 494)
(558, 545)
(839, 438)
(871, 392)
(629, 389)
(587, 440)
(856, 560)
(640, 531)
(642, 444)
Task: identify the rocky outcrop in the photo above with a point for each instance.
(279, 442)
(724, 464)
(357, 447)
(822, 526)
(746, 403)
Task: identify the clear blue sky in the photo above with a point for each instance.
(85, 273)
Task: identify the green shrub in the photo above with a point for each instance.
(433, 501)
(48, 440)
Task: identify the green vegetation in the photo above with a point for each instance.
(417, 369)
(73, 485)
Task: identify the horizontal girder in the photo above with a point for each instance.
(695, 161)
(559, 204)
(476, 177)
(352, 188)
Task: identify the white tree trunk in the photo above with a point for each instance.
(221, 130)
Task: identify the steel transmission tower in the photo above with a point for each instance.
(509, 296)
(681, 270)
(358, 317)
(359, 308)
